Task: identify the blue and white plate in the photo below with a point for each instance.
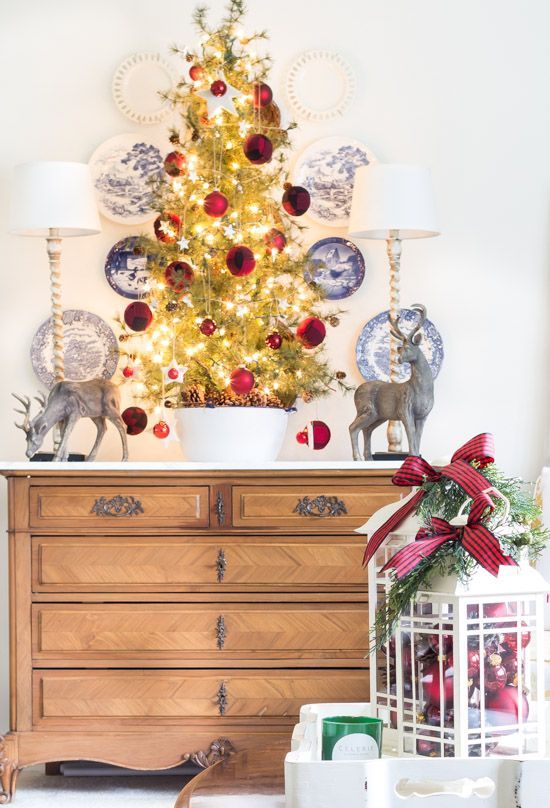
(336, 265)
(90, 348)
(127, 273)
(373, 346)
(122, 171)
(327, 169)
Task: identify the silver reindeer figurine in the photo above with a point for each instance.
(67, 402)
(409, 402)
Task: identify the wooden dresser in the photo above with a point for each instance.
(164, 616)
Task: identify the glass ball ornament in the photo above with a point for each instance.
(496, 678)
(135, 419)
(218, 88)
(311, 332)
(138, 316)
(258, 149)
(173, 373)
(240, 260)
(128, 372)
(510, 639)
(196, 72)
(302, 436)
(167, 227)
(241, 381)
(296, 200)
(431, 683)
(161, 430)
(321, 434)
(275, 240)
(262, 95)
(215, 204)
(503, 706)
(179, 276)
(175, 164)
(274, 340)
(208, 327)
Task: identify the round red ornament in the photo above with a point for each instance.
(215, 204)
(495, 678)
(503, 707)
(128, 372)
(262, 95)
(175, 164)
(218, 88)
(311, 332)
(196, 72)
(431, 684)
(302, 437)
(167, 227)
(240, 260)
(496, 610)
(443, 641)
(427, 748)
(179, 275)
(321, 436)
(241, 381)
(474, 662)
(510, 664)
(161, 430)
(138, 316)
(296, 200)
(135, 419)
(173, 373)
(258, 149)
(510, 639)
(275, 240)
(274, 340)
(207, 327)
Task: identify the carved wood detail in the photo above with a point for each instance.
(220, 749)
(8, 768)
(117, 506)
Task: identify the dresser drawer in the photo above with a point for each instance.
(153, 696)
(195, 563)
(180, 634)
(319, 508)
(121, 507)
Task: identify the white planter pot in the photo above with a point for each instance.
(220, 434)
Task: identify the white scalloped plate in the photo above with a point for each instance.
(320, 85)
(136, 86)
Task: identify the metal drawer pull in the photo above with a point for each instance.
(220, 509)
(220, 632)
(222, 698)
(221, 566)
(117, 506)
(320, 507)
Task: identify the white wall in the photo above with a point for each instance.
(460, 86)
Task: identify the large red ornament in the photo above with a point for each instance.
(215, 204)
(167, 227)
(275, 240)
(175, 164)
(179, 275)
(207, 327)
(262, 95)
(218, 88)
(258, 149)
(241, 381)
(138, 316)
(311, 332)
(321, 436)
(274, 340)
(510, 639)
(296, 200)
(240, 260)
(431, 684)
(196, 72)
(161, 430)
(445, 641)
(135, 419)
(503, 707)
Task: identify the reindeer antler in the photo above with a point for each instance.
(41, 398)
(26, 411)
(415, 337)
(395, 330)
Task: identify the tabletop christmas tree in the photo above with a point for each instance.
(229, 318)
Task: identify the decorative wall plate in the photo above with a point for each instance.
(336, 265)
(90, 348)
(373, 346)
(122, 170)
(137, 84)
(127, 273)
(327, 169)
(320, 85)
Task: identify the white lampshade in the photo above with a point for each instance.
(392, 200)
(53, 195)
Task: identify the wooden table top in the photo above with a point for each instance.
(252, 779)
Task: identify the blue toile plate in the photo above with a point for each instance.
(336, 265)
(90, 348)
(127, 273)
(373, 346)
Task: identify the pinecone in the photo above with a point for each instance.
(274, 401)
(307, 396)
(193, 396)
(334, 321)
(256, 398)
(174, 139)
(340, 374)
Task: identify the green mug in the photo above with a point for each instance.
(352, 737)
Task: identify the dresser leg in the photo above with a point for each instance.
(8, 767)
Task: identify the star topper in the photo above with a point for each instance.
(221, 98)
(173, 372)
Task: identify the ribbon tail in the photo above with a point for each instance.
(394, 521)
(485, 548)
(408, 557)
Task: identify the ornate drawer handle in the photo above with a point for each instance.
(320, 507)
(220, 509)
(221, 566)
(221, 633)
(117, 506)
(222, 698)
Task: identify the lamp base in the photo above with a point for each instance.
(390, 455)
(47, 457)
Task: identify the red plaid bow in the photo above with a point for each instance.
(474, 537)
(415, 470)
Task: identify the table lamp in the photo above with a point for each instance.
(393, 202)
(54, 200)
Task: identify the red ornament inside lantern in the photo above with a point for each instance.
(495, 678)
(207, 327)
(503, 707)
(241, 381)
(218, 88)
(196, 72)
(443, 641)
(167, 227)
(296, 200)
(138, 316)
(274, 340)
(161, 430)
(215, 204)
(262, 95)
(275, 240)
(311, 332)
(179, 275)
(240, 260)
(258, 149)
(431, 683)
(135, 419)
(510, 639)
(175, 164)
